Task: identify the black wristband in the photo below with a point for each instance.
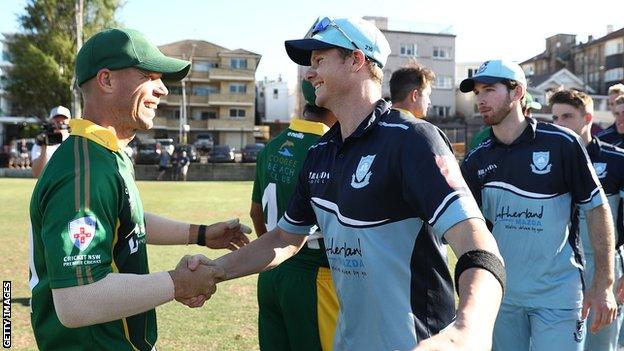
(480, 259)
(201, 235)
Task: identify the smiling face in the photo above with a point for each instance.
(328, 75)
(494, 102)
(137, 94)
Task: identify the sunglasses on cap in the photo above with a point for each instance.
(327, 22)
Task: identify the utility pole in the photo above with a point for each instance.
(76, 101)
(183, 130)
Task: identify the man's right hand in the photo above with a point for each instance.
(195, 285)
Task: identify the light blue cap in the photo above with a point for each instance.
(348, 33)
(494, 71)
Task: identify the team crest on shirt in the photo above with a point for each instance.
(601, 169)
(541, 162)
(82, 231)
(362, 173)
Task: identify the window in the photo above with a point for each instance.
(204, 66)
(237, 113)
(614, 74)
(208, 115)
(275, 94)
(5, 56)
(441, 111)
(615, 46)
(237, 88)
(204, 90)
(443, 82)
(408, 49)
(173, 114)
(442, 52)
(238, 63)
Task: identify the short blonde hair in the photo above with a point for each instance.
(616, 89)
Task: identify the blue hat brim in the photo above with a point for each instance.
(467, 85)
(300, 51)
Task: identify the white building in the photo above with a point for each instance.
(5, 107)
(276, 102)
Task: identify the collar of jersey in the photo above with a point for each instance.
(402, 110)
(594, 147)
(365, 126)
(95, 133)
(527, 135)
(301, 125)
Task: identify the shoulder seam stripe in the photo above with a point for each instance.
(76, 176)
(557, 133)
(87, 174)
(614, 152)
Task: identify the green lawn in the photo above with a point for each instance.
(227, 322)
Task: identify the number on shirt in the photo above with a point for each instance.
(269, 204)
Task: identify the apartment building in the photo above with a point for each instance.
(216, 98)
(599, 63)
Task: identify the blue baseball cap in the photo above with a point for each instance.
(348, 33)
(494, 71)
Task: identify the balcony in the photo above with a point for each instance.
(231, 74)
(222, 124)
(211, 100)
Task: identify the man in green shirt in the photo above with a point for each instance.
(297, 302)
(89, 275)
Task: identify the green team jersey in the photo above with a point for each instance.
(87, 221)
(277, 173)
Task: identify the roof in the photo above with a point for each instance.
(541, 56)
(538, 79)
(615, 34)
(419, 33)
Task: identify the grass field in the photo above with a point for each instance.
(227, 322)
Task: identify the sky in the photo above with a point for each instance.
(484, 29)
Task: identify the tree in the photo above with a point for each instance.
(43, 54)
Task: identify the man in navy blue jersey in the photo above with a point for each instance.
(528, 177)
(574, 110)
(615, 133)
(387, 192)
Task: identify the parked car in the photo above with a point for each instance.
(221, 153)
(146, 154)
(191, 152)
(250, 152)
(204, 142)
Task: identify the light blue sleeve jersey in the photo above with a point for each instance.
(608, 162)
(528, 191)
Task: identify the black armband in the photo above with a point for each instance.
(201, 235)
(480, 259)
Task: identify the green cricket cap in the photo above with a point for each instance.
(119, 48)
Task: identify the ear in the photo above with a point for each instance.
(359, 59)
(588, 118)
(414, 95)
(104, 80)
(518, 93)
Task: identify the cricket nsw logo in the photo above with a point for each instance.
(541, 162)
(601, 169)
(362, 173)
(82, 231)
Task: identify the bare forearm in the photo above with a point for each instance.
(262, 254)
(478, 290)
(257, 217)
(39, 163)
(602, 237)
(165, 231)
(114, 297)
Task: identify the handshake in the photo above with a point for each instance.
(195, 279)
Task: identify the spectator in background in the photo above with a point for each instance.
(183, 165)
(165, 161)
(55, 131)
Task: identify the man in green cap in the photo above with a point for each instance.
(89, 276)
(297, 301)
